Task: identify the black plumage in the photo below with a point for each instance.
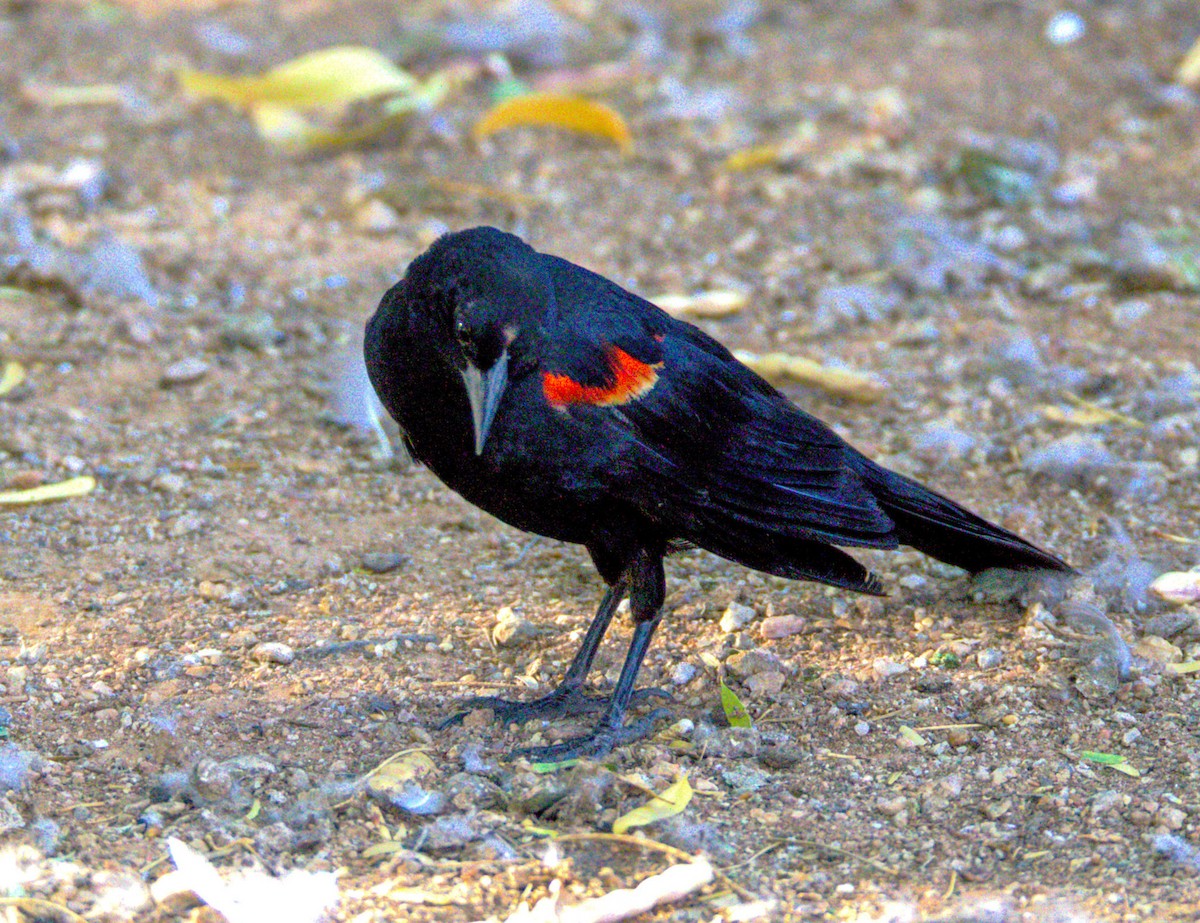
(567, 406)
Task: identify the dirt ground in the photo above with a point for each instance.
(1033, 310)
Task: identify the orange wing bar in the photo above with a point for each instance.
(631, 379)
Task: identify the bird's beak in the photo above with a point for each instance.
(484, 390)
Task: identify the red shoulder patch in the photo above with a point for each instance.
(631, 379)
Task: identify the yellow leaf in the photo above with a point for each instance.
(330, 77)
(750, 158)
(838, 382)
(1188, 666)
(713, 303)
(14, 374)
(282, 124)
(573, 113)
(1188, 72)
(420, 896)
(735, 711)
(912, 736)
(54, 97)
(1085, 413)
(72, 487)
(385, 848)
(668, 804)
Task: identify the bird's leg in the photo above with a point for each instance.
(568, 698)
(647, 591)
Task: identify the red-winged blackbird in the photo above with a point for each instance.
(564, 405)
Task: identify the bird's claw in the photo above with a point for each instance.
(600, 742)
(565, 701)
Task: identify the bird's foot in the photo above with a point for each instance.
(600, 742)
(565, 701)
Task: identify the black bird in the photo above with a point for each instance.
(564, 405)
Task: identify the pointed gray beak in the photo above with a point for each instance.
(484, 390)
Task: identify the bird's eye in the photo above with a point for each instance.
(462, 333)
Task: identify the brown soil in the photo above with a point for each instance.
(229, 512)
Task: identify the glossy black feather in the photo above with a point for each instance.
(711, 455)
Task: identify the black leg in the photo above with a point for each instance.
(568, 698)
(647, 591)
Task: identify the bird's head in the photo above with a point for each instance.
(487, 294)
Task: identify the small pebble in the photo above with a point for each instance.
(683, 673)
(1065, 27)
(273, 652)
(1170, 624)
(774, 627)
(1128, 313)
(766, 684)
(941, 443)
(862, 729)
(211, 781)
(184, 372)
(886, 669)
(383, 562)
(1177, 587)
(169, 483)
(1157, 650)
(736, 617)
(46, 835)
(744, 779)
(512, 629)
(16, 766)
(187, 524)
(751, 662)
(1143, 265)
(10, 817)
(989, 658)
(1071, 461)
(255, 331)
(376, 217)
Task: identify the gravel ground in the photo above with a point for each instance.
(256, 606)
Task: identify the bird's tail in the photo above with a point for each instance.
(940, 528)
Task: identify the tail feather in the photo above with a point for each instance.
(940, 528)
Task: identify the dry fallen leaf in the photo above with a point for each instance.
(668, 804)
(751, 158)
(573, 113)
(330, 77)
(72, 487)
(56, 96)
(712, 303)
(1188, 72)
(13, 375)
(839, 382)
(326, 80)
(298, 896)
(667, 886)
(1085, 413)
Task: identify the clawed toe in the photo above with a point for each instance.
(562, 702)
(600, 742)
